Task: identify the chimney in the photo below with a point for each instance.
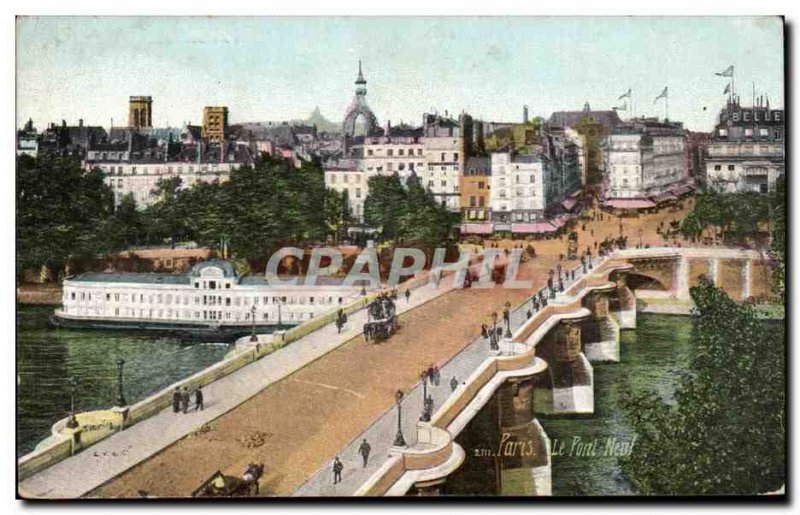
(80, 122)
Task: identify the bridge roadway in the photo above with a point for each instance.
(306, 418)
(84, 472)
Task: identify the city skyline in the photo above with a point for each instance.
(488, 67)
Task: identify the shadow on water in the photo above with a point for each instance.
(651, 359)
(47, 358)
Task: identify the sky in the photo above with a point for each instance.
(282, 68)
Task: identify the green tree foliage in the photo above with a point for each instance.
(725, 433)
(64, 212)
(777, 209)
(385, 205)
(734, 216)
(60, 210)
(407, 214)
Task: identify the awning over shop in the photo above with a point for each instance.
(629, 203)
(665, 196)
(486, 228)
(559, 221)
(533, 228)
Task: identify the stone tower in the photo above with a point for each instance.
(140, 112)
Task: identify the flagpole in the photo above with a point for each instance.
(666, 104)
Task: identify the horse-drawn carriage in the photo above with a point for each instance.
(381, 318)
(220, 485)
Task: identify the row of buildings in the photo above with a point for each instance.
(517, 177)
(135, 157)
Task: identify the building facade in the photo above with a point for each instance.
(517, 187)
(474, 189)
(531, 188)
(645, 160)
(211, 294)
(746, 151)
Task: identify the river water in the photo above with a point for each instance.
(651, 357)
(47, 358)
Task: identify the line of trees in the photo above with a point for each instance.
(66, 214)
(733, 217)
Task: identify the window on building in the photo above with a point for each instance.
(455, 156)
(400, 152)
(731, 168)
(717, 168)
(390, 152)
(369, 152)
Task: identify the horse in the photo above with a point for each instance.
(220, 485)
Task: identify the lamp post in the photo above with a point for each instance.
(72, 423)
(507, 317)
(399, 441)
(493, 333)
(120, 393)
(280, 318)
(253, 331)
(425, 417)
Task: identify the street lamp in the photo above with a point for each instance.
(72, 423)
(507, 316)
(425, 417)
(253, 337)
(399, 441)
(120, 394)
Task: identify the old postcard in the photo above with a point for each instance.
(400, 256)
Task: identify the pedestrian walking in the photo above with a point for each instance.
(436, 375)
(176, 400)
(363, 450)
(484, 331)
(408, 295)
(184, 400)
(453, 383)
(337, 470)
(198, 400)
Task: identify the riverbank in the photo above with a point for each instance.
(45, 294)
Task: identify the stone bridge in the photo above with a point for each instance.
(545, 368)
(670, 272)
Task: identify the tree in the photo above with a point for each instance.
(725, 433)
(61, 209)
(127, 223)
(777, 207)
(385, 205)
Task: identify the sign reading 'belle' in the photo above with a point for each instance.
(756, 115)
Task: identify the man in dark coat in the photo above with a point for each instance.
(337, 470)
(185, 400)
(198, 400)
(176, 400)
(363, 450)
